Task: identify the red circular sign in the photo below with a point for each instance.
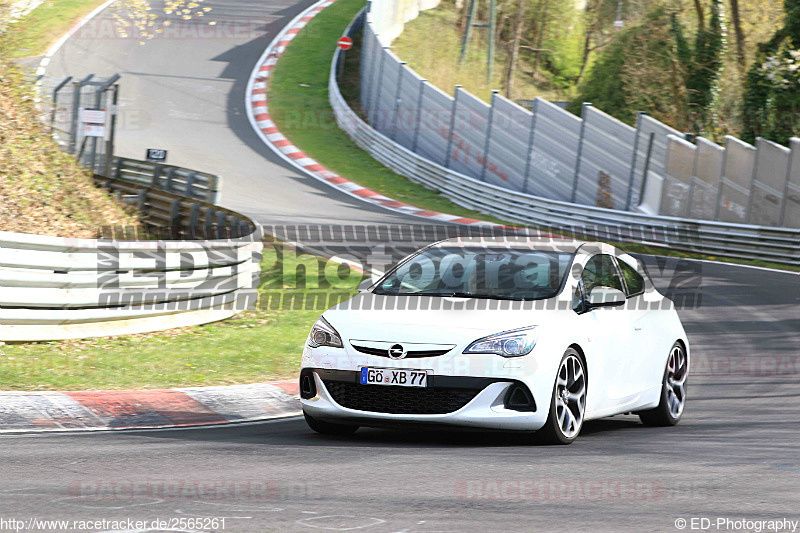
(345, 43)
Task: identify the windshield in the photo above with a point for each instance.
(491, 273)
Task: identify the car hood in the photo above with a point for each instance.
(432, 320)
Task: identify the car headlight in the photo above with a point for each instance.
(508, 343)
(323, 334)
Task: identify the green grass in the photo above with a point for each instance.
(254, 346)
(33, 35)
(298, 103)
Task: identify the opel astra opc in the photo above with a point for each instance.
(502, 334)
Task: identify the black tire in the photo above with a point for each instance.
(665, 414)
(329, 428)
(552, 432)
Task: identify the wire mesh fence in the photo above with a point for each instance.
(82, 116)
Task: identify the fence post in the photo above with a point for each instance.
(632, 177)
(419, 115)
(753, 184)
(721, 183)
(794, 145)
(111, 134)
(384, 53)
(488, 136)
(397, 99)
(580, 150)
(371, 77)
(55, 103)
(530, 146)
(452, 126)
(76, 103)
(647, 167)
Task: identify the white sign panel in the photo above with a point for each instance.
(93, 121)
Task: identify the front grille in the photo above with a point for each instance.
(411, 354)
(399, 400)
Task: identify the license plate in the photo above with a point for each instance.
(397, 377)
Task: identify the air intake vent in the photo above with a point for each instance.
(399, 400)
(411, 354)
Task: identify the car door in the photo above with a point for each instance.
(611, 341)
(642, 318)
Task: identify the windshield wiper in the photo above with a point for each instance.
(473, 295)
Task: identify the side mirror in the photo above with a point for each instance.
(606, 297)
(365, 285)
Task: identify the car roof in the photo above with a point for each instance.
(548, 243)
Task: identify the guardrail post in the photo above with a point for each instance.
(175, 213)
(190, 184)
(632, 177)
(580, 152)
(118, 170)
(156, 176)
(488, 136)
(452, 126)
(170, 178)
(419, 115)
(531, 136)
(209, 222)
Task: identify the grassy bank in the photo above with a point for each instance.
(45, 24)
(42, 189)
(254, 346)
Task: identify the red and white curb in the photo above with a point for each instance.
(258, 114)
(146, 409)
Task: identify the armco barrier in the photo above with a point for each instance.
(59, 288)
(189, 183)
(779, 245)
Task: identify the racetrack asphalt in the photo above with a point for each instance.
(735, 454)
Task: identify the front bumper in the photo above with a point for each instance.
(479, 402)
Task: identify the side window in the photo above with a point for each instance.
(600, 272)
(633, 280)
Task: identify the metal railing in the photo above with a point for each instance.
(190, 183)
(191, 263)
(779, 245)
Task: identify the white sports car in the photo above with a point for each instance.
(507, 334)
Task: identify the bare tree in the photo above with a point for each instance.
(519, 22)
(739, 32)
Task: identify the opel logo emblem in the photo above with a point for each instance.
(397, 352)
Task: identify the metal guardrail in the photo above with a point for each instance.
(743, 241)
(58, 288)
(190, 183)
